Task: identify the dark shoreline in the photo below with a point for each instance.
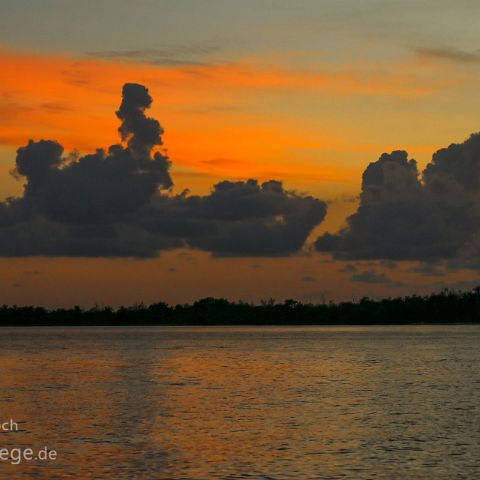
(216, 325)
(446, 307)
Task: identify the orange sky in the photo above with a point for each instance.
(184, 276)
(313, 128)
(221, 121)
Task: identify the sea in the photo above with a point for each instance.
(191, 403)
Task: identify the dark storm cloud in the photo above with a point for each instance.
(100, 187)
(402, 216)
(117, 203)
(249, 218)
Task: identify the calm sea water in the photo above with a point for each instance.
(244, 402)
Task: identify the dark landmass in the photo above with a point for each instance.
(447, 306)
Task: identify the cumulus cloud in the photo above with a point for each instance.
(119, 202)
(403, 215)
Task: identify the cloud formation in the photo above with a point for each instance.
(405, 216)
(450, 54)
(373, 277)
(119, 202)
(180, 55)
(348, 268)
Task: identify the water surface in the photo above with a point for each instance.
(244, 402)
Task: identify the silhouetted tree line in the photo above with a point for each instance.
(447, 306)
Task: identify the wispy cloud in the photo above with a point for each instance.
(348, 268)
(166, 56)
(373, 277)
(449, 54)
(308, 279)
(428, 269)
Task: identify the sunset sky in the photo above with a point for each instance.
(304, 92)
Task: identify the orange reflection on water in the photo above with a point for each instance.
(215, 403)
